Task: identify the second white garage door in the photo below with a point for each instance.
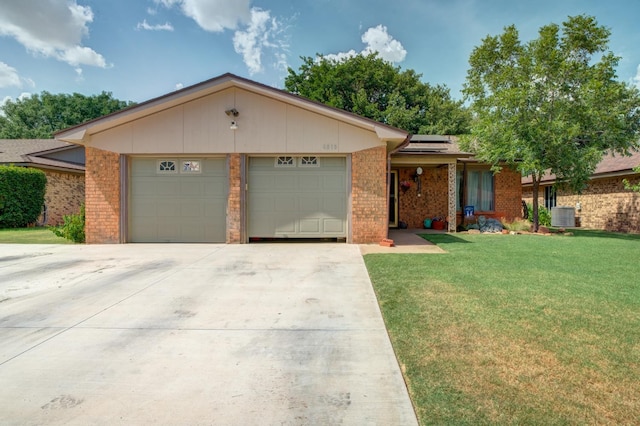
(297, 197)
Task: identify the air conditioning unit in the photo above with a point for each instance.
(563, 217)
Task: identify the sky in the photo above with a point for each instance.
(141, 49)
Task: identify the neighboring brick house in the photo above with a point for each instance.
(63, 165)
(605, 203)
(432, 178)
(231, 160)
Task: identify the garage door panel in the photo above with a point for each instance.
(334, 205)
(284, 183)
(300, 200)
(284, 204)
(310, 225)
(177, 207)
(262, 204)
(334, 183)
(307, 204)
(285, 225)
(309, 183)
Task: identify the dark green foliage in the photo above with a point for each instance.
(372, 87)
(544, 215)
(39, 116)
(73, 227)
(21, 195)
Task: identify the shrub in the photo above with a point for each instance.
(72, 228)
(21, 195)
(517, 225)
(544, 215)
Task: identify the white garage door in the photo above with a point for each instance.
(178, 200)
(297, 197)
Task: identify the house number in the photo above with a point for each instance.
(330, 147)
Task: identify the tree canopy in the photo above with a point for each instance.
(371, 87)
(39, 116)
(550, 104)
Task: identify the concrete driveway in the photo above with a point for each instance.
(277, 334)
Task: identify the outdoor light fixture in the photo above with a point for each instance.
(233, 113)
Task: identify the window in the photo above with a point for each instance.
(190, 166)
(480, 190)
(285, 161)
(549, 197)
(309, 161)
(166, 166)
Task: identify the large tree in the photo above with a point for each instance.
(39, 116)
(372, 87)
(550, 104)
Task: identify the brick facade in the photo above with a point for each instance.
(605, 204)
(102, 196)
(64, 195)
(234, 217)
(432, 201)
(508, 194)
(369, 217)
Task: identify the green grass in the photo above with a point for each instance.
(30, 236)
(517, 329)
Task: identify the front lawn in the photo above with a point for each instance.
(30, 236)
(517, 329)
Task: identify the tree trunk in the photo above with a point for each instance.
(536, 187)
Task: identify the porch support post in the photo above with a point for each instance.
(452, 197)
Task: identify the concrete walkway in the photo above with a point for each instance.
(269, 334)
(405, 241)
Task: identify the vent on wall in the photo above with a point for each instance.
(563, 217)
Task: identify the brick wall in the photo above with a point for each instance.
(234, 218)
(369, 219)
(432, 201)
(64, 195)
(605, 204)
(508, 194)
(102, 196)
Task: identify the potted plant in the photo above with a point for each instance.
(405, 185)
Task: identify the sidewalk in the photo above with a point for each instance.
(405, 241)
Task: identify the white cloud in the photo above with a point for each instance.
(376, 39)
(158, 27)
(256, 31)
(9, 76)
(213, 15)
(636, 79)
(55, 29)
(179, 86)
(249, 43)
(23, 96)
(263, 33)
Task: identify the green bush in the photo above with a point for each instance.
(544, 215)
(72, 228)
(21, 195)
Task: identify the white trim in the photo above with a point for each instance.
(309, 161)
(284, 161)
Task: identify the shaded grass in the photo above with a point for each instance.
(30, 236)
(520, 329)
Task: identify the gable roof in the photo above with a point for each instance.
(78, 134)
(611, 165)
(39, 153)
